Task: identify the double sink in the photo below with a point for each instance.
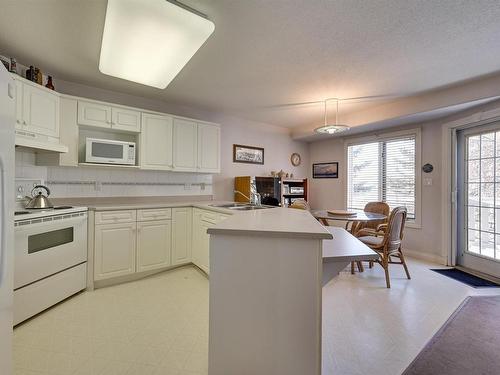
(241, 206)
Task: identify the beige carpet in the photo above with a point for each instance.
(468, 343)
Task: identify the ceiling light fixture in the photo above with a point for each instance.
(149, 42)
(332, 129)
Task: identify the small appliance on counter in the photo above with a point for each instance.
(269, 189)
(107, 151)
(50, 251)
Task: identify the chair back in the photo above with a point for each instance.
(300, 204)
(395, 227)
(375, 208)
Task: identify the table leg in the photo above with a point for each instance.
(360, 266)
(324, 222)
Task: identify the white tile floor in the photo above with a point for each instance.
(159, 325)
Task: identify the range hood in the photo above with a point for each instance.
(39, 143)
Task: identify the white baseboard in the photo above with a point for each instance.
(434, 258)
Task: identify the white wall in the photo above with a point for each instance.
(26, 168)
(276, 141)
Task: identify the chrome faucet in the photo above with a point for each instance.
(253, 199)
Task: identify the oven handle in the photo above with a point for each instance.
(3, 218)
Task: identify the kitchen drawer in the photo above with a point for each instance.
(209, 216)
(154, 214)
(112, 217)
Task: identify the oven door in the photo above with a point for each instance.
(49, 245)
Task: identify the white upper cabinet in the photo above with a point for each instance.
(156, 142)
(185, 145)
(208, 148)
(94, 114)
(20, 121)
(102, 115)
(125, 119)
(37, 110)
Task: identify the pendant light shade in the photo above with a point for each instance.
(332, 128)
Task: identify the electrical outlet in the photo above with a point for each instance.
(24, 187)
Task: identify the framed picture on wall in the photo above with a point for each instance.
(248, 154)
(326, 170)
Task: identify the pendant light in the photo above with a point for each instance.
(332, 129)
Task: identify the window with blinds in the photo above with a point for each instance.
(382, 171)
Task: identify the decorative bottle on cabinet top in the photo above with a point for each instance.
(49, 84)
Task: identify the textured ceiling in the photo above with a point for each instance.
(266, 54)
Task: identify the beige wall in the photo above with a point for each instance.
(276, 141)
(331, 193)
(426, 241)
(277, 144)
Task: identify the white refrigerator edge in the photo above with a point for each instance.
(7, 156)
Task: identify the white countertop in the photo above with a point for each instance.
(138, 203)
(277, 222)
(139, 206)
(345, 247)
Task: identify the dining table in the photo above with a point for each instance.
(323, 216)
(361, 216)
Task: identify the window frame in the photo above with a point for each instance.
(416, 132)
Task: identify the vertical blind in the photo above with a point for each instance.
(382, 171)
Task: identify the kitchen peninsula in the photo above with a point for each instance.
(267, 269)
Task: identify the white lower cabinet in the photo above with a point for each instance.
(181, 235)
(114, 250)
(154, 243)
(133, 241)
(202, 220)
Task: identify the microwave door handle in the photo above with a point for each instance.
(3, 218)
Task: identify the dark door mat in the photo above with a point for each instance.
(466, 278)
(467, 344)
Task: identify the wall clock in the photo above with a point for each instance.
(295, 159)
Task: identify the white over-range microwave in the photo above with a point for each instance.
(107, 151)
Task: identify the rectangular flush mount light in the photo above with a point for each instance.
(150, 41)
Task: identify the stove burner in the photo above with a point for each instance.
(21, 212)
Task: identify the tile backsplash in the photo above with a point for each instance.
(71, 182)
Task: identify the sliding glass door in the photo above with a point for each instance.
(479, 199)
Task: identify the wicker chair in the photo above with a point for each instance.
(300, 204)
(375, 226)
(387, 243)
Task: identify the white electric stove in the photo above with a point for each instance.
(50, 257)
